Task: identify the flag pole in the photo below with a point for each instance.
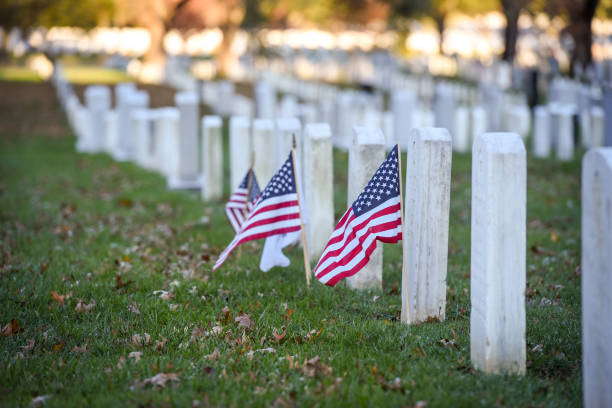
(399, 170)
(248, 193)
(304, 241)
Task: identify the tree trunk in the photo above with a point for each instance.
(440, 26)
(225, 57)
(512, 10)
(581, 15)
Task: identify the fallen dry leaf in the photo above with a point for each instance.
(135, 355)
(214, 355)
(83, 307)
(11, 328)
(244, 320)
(40, 400)
(160, 343)
(80, 350)
(160, 380)
(133, 307)
(28, 346)
(278, 336)
(58, 298)
(121, 363)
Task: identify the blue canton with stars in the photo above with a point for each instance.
(282, 183)
(383, 186)
(254, 193)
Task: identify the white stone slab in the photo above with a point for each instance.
(478, 122)
(542, 131)
(240, 146)
(318, 187)
(426, 224)
(366, 154)
(597, 277)
(597, 127)
(403, 104)
(565, 134)
(166, 135)
(98, 101)
(263, 147)
(461, 136)
(111, 131)
(188, 175)
(498, 253)
(212, 158)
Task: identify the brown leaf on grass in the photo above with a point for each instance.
(538, 250)
(119, 282)
(395, 385)
(159, 345)
(133, 307)
(251, 353)
(121, 363)
(58, 298)
(287, 315)
(80, 350)
(163, 295)
(214, 355)
(11, 328)
(135, 355)
(244, 320)
(83, 307)
(29, 346)
(314, 367)
(196, 335)
(40, 400)
(58, 347)
(125, 203)
(278, 337)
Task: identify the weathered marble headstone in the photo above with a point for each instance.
(565, 133)
(318, 186)
(427, 206)
(461, 136)
(597, 127)
(225, 98)
(83, 128)
(307, 113)
(479, 122)
(132, 100)
(403, 104)
(541, 132)
(265, 100)
(111, 131)
(166, 135)
(263, 147)
(285, 129)
(141, 130)
(444, 107)
(122, 93)
(597, 277)
(607, 105)
(366, 154)
(288, 107)
(387, 123)
(98, 101)
(498, 253)
(240, 146)
(212, 158)
(188, 174)
(344, 104)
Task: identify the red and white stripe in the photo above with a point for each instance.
(277, 215)
(354, 239)
(237, 208)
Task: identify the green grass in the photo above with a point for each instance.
(87, 74)
(18, 73)
(91, 229)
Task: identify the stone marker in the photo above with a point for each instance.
(565, 133)
(83, 128)
(141, 130)
(607, 105)
(498, 253)
(125, 146)
(403, 104)
(263, 147)
(111, 131)
(541, 132)
(444, 107)
(212, 158)
(265, 100)
(427, 206)
(461, 136)
(98, 101)
(318, 187)
(225, 98)
(342, 136)
(597, 127)
(479, 122)
(365, 156)
(285, 128)
(166, 135)
(387, 123)
(188, 172)
(597, 277)
(122, 93)
(240, 146)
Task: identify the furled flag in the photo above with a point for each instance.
(374, 215)
(239, 206)
(276, 211)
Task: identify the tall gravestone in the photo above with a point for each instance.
(366, 154)
(541, 132)
(597, 277)
(111, 131)
(188, 174)
(607, 105)
(498, 254)
(403, 104)
(141, 131)
(263, 147)
(444, 106)
(225, 97)
(212, 158)
(265, 100)
(565, 133)
(426, 224)
(98, 101)
(240, 147)
(478, 122)
(318, 187)
(166, 134)
(597, 127)
(123, 92)
(284, 132)
(461, 135)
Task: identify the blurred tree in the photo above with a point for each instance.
(512, 10)
(28, 14)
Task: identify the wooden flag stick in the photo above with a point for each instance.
(399, 170)
(304, 241)
(248, 193)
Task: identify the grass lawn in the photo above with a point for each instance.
(87, 245)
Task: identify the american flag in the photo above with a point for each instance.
(276, 211)
(238, 206)
(374, 215)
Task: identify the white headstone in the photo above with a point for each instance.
(225, 98)
(318, 186)
(212, 158)
(541, 132)
(388, 121)
(98, 101)
(461, 136)
(427, 206)
(285, 129)
(403, 104)
(111, 131)
(188, 176)
(132, 100)
(365, 156)
(166, 135)
(597, 127)
(240, 147)
(122, 93)
(265, 100)
(263, 147)
(597, 277)
(141, 130)
(565, 134)
(498, 253)
(444, 106)
(83, 128)
(479, 122)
